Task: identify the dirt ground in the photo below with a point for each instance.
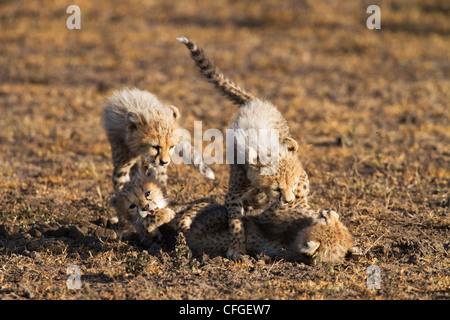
(370, 109)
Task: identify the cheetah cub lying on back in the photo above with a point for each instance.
(287, 185)
(138, 125)
(142, 203)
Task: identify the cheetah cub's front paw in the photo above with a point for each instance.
(235, 254)
(164, 215)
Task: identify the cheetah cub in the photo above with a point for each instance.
(297, 234)
(139, 125)
(142, 203)
(288, 185)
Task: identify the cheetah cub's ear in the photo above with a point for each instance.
(133, 120)
(327, 216)
(310, 248)
(176, 112)
(290, 144)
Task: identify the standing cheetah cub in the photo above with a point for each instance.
(142, 203)
(288, 185)
(139, 125)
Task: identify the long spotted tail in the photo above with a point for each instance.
(214, 75)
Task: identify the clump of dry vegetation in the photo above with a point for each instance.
(370, 109)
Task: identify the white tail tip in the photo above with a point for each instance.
(183, 39)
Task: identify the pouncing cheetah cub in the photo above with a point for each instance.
(139, 125)
(287, 185)
(142, 203)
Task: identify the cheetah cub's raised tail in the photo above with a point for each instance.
(215, 76)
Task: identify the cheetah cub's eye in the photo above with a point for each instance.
(276, 189)
(156, 147)
(171, 148)
(147, 194)
(132, 206)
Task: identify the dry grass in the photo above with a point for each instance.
(370, 109)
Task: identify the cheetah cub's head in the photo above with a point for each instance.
(139, 198)
(152, 137)
(282, 176)
(326, 240)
